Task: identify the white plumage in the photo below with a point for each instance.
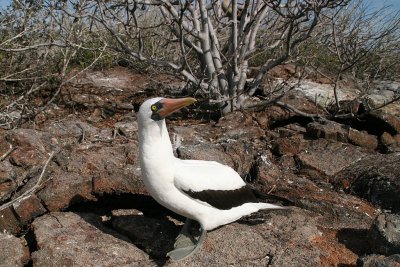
(191, 188)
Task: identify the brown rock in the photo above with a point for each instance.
(397, 139)
(380, 261)
(334, 253)
(72, 131)
(187, 134)
(285, 71)
(88, 100)
(352, 106)
(319, 247)
(14, 251)
(8, 221)
(328, 158)
(291, 130)
(385, 234)
(288, 163)
(132, 154)
(71, 128)
(271, 135)
(289, 146)
(27, 157)
(29, 208)
(204, 151)
(40, 118)
(233, 244)
(362, 139)
(32, 147)
(393, 121)
(4, 145)
(342, 133)
(126, 180)
(337, 209)
(267, 243)
(6, 188)
(8, 179)
(328, 130)
(239, 125)
(65, 189)
(113, 169)
(246, 132)
(112, 174)
(236, 153)
(69, 239)
(128, 129)
(272, 115)
(376, 178)
(262, 120)
(242, 155)
(96, 115)
(27, 138)
(299, 101)
(387, 139)
(267, 171)
(236, 119)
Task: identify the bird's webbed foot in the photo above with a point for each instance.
(185, 244)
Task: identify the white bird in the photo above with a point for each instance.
(206, 191)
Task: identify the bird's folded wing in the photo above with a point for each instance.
(198, 175)
(216, 184)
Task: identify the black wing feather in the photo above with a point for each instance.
(225, 199)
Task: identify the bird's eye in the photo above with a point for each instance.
(153, 107)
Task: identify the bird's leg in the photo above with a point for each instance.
(184, 239)
(182, 252)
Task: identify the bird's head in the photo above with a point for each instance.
(156, 109)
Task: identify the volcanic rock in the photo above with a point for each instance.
(69, 239)
(380, 261)
(385, 234)
(374, 178)
(13, 251)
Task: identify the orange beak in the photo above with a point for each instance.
(171, 105)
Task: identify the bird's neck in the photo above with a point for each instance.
(154, 142)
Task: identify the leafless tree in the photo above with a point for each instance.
(360, 41)
(223, 49)
(38, 41)
(211, 44)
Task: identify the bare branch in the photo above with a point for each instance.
(31, 190)
(8, 152)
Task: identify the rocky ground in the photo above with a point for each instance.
(90, 208)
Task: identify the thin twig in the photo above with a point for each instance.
(354, 116)
(11, 149)
(397, 98)
(271, 190)
(299, 112)
(33, 189)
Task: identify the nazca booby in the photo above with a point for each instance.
(206, 191)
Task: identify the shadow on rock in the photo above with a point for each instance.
(155, 236)
(148, 225)
(355, 240)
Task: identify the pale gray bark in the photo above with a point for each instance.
(210, 44)
(224, 36)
